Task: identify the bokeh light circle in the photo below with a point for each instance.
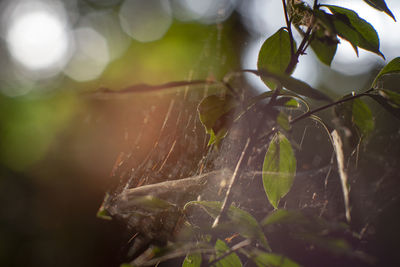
(37, 37)
(145, 21)
(91, 55)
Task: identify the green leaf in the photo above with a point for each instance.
(125, 265)
(192, 260)
(395, 111)
(381, 6)
(151, 203)
(324, 46)
(392, 97)
(239, 220)
(392, 67)
(294, 85)
(214, 114)
(103, 214)
(283, 121)
(284, 216)
(263, 259)
(279, 169)
(355, 29)
(275, 54)
(292, 103)
(362, 117)
(232, 260)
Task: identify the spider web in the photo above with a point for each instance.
(179, 151)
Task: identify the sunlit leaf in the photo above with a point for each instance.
(292, 104)
(279, 169)
(392, 67)
(287, 102)
(380, 5)
(263, 259)
(362, 116)
(275, 54)
(239, 220)
(231, 260)
(192, 260)
(355, 29)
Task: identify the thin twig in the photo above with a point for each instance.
(289, 27)
(303, 45)
(228, 196)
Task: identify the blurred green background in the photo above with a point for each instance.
(59, 140)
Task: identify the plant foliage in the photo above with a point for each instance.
(321, 27)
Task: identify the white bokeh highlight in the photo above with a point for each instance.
(106, 23)
(91, 55)
(37, 37)
(145, 21)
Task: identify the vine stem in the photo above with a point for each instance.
(311, 112)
